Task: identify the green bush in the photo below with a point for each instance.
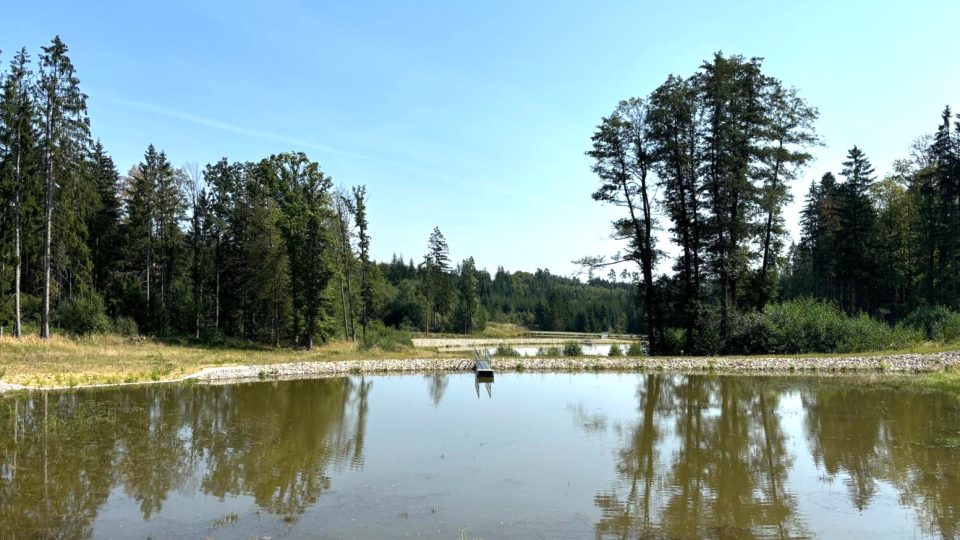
(549, 352)
(615, 350)
(572, 348)
(385, 338)
(812, 326)
(937, 323)
(125, 326)
(505, 350)
(636, 349)
(84, 314)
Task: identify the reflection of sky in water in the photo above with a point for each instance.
(551, 454)
(588, 350)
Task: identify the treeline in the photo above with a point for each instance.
(888, 246)
(538, 300)
(269, 251)
(715, 153)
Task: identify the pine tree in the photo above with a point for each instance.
(305, 205)
(677, 143)
(104, 237)
(363, 243)
(17, 139)
(469, 312)
(64, 137)
(435, 271)
(857, 219)
(623, 160)
(788, 131)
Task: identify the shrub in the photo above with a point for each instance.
(805, 325)
(572, 348)
(84, 314)
(550, 352)
(505, 350)
(636, 349)
(674, 341)
(615, 350)
(937, 323)
(125, 326)
(385, 338)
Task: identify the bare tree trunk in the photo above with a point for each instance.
(350, 333)
(17, 328)
(216, 316)
(47, 226)
(149, 264)
(343, 300)
(768, 235)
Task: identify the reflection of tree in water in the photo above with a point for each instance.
(879, 434)
(437, 384)
(54, 476)
(846, 434)
(153, 451)
(725, 479)
(275, 442)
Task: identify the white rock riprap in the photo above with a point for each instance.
(903, 363)
(5, 387)
(899, 363)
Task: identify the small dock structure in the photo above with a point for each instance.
(482, 364)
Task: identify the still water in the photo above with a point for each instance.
(585, 349)
(440, 456)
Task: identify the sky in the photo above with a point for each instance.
(474, 116)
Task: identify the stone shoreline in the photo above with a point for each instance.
(899, 363)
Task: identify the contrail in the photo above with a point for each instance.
(217, 124)
(225, 126)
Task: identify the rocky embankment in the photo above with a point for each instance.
(898, 363)
(901, 363)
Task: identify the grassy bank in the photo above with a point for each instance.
(110, 359)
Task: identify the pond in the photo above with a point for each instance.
(586, 349)
(442, 456)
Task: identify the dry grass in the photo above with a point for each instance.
(110, 359)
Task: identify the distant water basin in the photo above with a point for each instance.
(588, 350)
(552, 455)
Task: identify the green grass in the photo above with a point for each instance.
(113, 359)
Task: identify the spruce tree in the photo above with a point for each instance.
(64, 136)
(17, 139)
(363, 243)
(857, 219)
(104, 236)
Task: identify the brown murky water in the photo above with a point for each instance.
(530, 456)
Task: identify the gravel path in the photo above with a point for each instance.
(901, 363)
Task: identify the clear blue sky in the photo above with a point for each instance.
(474, 116)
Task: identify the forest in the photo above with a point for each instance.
(270, 251)
(274, 252)
(710, 158)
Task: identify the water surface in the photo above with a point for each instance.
(530, 456)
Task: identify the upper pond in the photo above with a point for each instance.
(439, 456)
